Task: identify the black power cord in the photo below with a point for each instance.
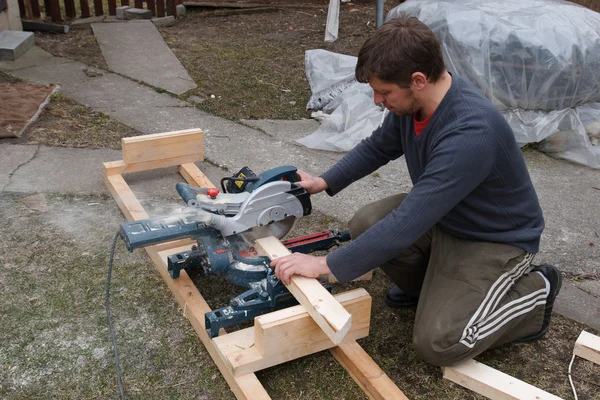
(110, 324)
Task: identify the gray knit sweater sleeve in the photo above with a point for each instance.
(366, 157)
(460, 160)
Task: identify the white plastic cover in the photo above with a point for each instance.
(538, 61)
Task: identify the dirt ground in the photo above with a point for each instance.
(54, 341)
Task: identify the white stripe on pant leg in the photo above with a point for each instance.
(509, 307)
(527, 270)
(513, 316)
(539, 301)
(498, 290)
(480, 331)
(497, 286)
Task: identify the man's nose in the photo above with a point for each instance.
(378, 98)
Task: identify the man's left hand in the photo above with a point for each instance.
(299, 264)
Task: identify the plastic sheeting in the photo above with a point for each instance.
(537, 61)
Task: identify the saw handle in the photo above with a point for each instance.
(189, 192)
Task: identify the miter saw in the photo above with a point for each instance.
(225, 225)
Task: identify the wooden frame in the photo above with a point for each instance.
(230, 352)
(588, 346)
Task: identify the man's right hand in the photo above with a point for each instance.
(312, 184)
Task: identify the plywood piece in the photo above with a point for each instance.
(327, 312)
(492, 383)
(588, 346)
(173, 148)
(288, 334)
(365, 372)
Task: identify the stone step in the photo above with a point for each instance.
(13, 44)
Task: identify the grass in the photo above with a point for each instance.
(68, 124)
(55, 341)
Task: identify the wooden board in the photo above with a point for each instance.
(287, 334)
(181, 147)
(588, 346)
(492, 383)
(327, 312)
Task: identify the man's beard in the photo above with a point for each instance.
(412, 109)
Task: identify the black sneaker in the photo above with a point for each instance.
(554, 277)
(396, 298)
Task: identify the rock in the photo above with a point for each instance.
(36, 202)
(164, 21)
(180, 10)
(138, 13)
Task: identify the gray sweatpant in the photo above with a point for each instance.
(472, 295)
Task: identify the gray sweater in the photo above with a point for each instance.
(469, 177)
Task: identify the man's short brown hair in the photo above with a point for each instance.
(399, 48)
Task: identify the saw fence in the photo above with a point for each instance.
(320, 322)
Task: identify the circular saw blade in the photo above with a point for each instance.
(278, 229)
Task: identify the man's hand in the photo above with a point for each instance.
(312, 184)
(299, 264)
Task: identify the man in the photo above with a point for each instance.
(462, 241)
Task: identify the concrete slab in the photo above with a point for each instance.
(121, 12)
(578, 305)
(13, 44)
(34, 57)
(43, 169)
(284, 129)
(11, 158)
(138, 50)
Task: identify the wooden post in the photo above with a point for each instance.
(170, 7)
(55, 11)
(138, 3)
(124, 2)
(22, 10)
(112, 7)
(35, 8)
(151, 7)
(29, 9)
(160, 8)
(85, 8)
(327, 312)
(46, 8)
(70, 8)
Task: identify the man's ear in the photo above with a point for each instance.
(418, 80)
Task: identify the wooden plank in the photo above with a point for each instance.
(35, 8)
(365, 372)
(138, 3)
(160, 8)
(44, 26)
(287, 334)
(194, 306)
(588, 346)
(492, 383)
(85, 9)
(160, 146)
(327, 312)
(98, 10)
(70, 8)
(194, 176)
(124, 2)
(22, 9)
(151, 7)
(112, 7)
(29, 9)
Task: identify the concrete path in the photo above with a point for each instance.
(137, 50)
(566, 190)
